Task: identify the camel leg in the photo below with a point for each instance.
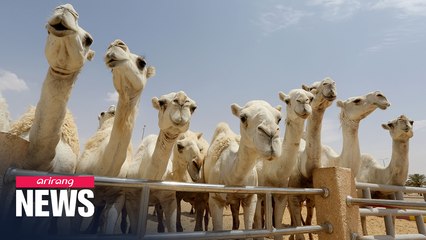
(178, 212)
(206, 217)
(279, 207)
(158, 209)
(258, 216)
(310, 204)
(364, 225)
(169, 208)
(216, 209)
(133, 209)
(295, 213)
(235, 210)
(249, 206)
(112, 213)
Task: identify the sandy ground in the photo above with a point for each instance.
(375, 225)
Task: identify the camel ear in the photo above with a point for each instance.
(236, 109)
(150, 72)
(156, 103)
(339, 103)
(314, 91)
(285, 98)
(306, 88)
(90, 55)
(387, 126)
(279, 108)
(199, 134)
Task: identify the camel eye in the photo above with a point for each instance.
(102, 114)
(243, 118)
(140, 63)
(357, 100)
(411, 122)
(311, 99)
(88, 41)
(379, 95)
(180, 147)
(278, 120)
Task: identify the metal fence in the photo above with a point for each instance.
(147, 185)
(389, 209)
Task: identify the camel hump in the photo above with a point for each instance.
(69, 128)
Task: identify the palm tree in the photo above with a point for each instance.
(416, 180)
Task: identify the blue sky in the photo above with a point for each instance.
(223, 52)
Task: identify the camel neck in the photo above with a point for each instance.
(116, 150)
(290, 146)
(350, 155)
(161, 155)
(179, 169)
(45, 132)
(243, 166)
(313, 141)
(398, 166)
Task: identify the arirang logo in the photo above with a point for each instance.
(55, 196)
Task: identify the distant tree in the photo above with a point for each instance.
(416, 180)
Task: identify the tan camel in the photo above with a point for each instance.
(52, 134)
(4, 115)
(231, 160)
(276, 173)
(107, 150)
(396, 173)
(353, 110)
(152, 157)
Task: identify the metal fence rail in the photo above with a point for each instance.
(389, 209)
(147, 185)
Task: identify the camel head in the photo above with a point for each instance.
(324, 92)
(259, 128)
(298, 103)
(357, 108)
(400, 128)
(130, 71)
(189, 149)
(105, 115)
(68, 45)
(174, 112)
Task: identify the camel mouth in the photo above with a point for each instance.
(113, 62)
(303, 115)
(59, 29)
(383, 106)
(330, 98)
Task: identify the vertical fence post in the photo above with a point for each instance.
(333, 208)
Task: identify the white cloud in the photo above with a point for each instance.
(419, 125)
(112, 97)
(280, 17)
(337, 9)
(405, 7)
(407, 31)
(10, 81)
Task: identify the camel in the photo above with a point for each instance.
(151, 159)
(50, 130)
(4, 115)
(396, 173)
(231, 159)
(107, 150)
(276, 173)
(353, 110)
(310, 147)
(188, 156)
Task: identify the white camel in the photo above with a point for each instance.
(51, 132)
(231, 159)
(151, 159)
(310, 147)
(396, 173)
(4, 115)
(353, 110)
(107, 150)
(276, 173)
